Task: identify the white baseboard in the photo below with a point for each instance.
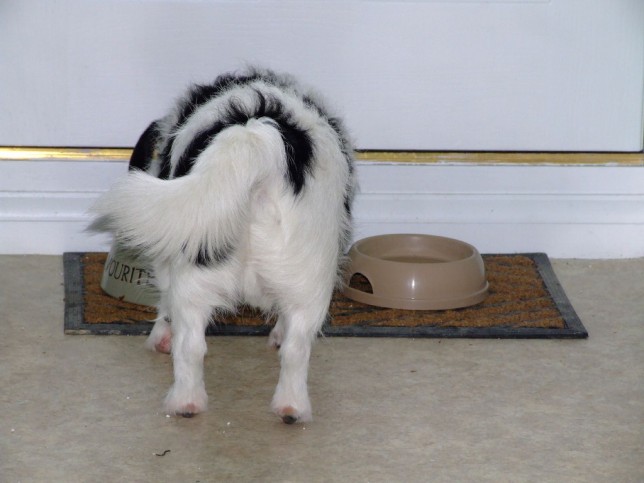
(564, 211)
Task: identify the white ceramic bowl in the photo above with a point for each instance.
(126, 277)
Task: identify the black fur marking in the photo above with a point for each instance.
(297, 142)
(144, 149)
(166, 165)
(299, 154)
(348, 201)
(195, 148)
(199, 95)
(315, 106)
(338, 126)
(219, 256)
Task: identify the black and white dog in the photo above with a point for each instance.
(241, 194)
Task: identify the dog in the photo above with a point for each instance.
(241, 194)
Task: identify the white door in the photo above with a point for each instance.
(528, 75)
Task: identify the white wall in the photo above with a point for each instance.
(434, 75)
(565, 211)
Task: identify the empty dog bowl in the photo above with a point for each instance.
(125, 277)
(415, 272)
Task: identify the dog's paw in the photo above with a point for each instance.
(292, 412)
(276, 337)
(291, 415)
(186, 402)
(163, 345)
(160, 339)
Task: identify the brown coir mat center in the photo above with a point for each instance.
(525, 301)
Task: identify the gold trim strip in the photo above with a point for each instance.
(495, 158)
(11, 153)
(15, 153)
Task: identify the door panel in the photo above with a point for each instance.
(563, 75)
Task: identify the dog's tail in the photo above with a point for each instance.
(202, 213)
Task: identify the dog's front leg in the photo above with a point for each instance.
(160, 338)
(276, 336)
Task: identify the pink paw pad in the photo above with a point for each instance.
(164, 345)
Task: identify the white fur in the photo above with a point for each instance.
(286, 249)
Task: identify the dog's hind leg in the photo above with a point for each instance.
(300, 327)
(190, 311)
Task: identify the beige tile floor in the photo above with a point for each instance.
(87, 408)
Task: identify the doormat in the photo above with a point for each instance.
(525, 301)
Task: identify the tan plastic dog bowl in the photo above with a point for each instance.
(125, 277)
(416, 272)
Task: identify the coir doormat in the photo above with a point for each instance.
(525, 301)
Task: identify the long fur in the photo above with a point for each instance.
(242, 193)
